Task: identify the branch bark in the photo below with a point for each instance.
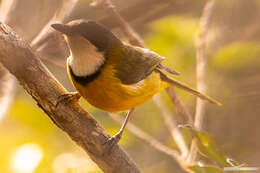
(25, 65)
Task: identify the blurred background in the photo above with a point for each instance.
(31, 143)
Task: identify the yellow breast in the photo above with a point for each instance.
(107, 92)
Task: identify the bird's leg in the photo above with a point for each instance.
(116, 138)
(119, 134)
(68, 97)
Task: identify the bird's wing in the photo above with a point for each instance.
(135, 63)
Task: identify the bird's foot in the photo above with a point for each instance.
(112, 141)
(68, 97)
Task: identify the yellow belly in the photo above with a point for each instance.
(109, 94)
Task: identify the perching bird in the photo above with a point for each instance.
(112, 75)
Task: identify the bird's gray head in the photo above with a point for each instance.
(88, 41)
(96, 33)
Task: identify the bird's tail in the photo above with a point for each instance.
(178, 84)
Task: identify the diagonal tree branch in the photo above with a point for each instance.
(147, 138)
(151, 141)
(172, 126)
(180, 107)
(25, 65)
(133, 37)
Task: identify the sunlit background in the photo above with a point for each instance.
(31, 143)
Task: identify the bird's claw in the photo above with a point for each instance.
(112, 141)
(68, 97)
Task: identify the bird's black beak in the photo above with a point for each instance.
(65, 29)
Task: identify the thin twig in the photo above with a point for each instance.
(179, 105)
(148, 138)
(5, 8)
(133, 37)
(38, 42)
(171, 125)
(201, 71)
(202, 62)
(59, 16)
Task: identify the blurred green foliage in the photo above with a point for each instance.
(237, 56)
(173, 38)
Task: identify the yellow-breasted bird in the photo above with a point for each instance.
(112, 75)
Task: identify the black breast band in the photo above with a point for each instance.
(84, 80)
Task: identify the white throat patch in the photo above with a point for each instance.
(84, 58)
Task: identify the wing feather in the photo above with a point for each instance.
(136, 63)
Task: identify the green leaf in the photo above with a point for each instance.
(208, 147)
(204, 169)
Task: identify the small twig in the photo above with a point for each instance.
(135, 11)
(202, 62)
(201, 71)
(133, 37)
(148, 138)
(59, 16)
(179, 105)
(172, 126)
(5, 8)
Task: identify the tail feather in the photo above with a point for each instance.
(180, 85)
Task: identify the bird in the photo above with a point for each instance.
(112, 75)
